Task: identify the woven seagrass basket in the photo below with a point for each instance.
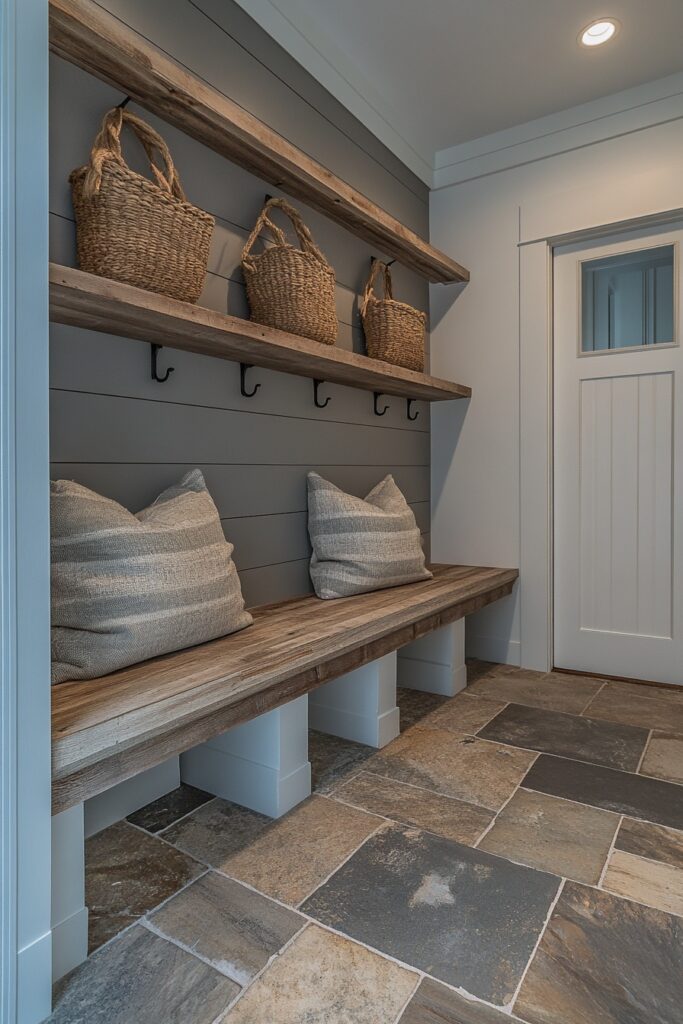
(135, 230)
(290, 288)
(394, 331)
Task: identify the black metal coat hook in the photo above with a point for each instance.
(243, 373)
(124, 102)
(155, 374)
(318, 404)
(409, 402)
(377, 395)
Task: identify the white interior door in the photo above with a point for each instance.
(618, 508)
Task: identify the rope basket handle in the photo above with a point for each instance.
(107, 146)
(378, 268)
(277, 234)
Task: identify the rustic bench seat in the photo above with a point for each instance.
(109, 729)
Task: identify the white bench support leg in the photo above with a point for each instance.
(359, 706)
(436, 662)
(69, 912)
(262, 764)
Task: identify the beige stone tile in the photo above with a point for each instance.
(477, 670)
(554, 692)
(664, 757)
(235, 929)
(555, 835)
(631, 704)
(674, 694)
(657, 842)
(464, 714)
(646, 881)
(295, 854)
(459, 766)
(325, 979)
(442, 815)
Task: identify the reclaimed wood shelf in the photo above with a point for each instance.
(106, 730)
(99, 304)
(84, 34)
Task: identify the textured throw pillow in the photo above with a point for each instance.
(362, 544)
(130, 587)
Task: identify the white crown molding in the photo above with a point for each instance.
(609, 117)
(318, 54)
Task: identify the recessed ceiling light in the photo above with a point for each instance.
(598, 32)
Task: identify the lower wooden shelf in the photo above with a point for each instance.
(99, 304)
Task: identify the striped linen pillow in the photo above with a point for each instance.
(130, 587)
(362, 544)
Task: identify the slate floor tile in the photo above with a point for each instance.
(163, 812)
(646, 881)
(127, 874)
(325, 979)
(284, 858)
(334, 760)
(477, 669)
(464, 714)
(555, 692)
(141, 977)
(408, 805)
(654, 841)
(633, 795)
(631, 704)
(554, 835)
(664, 757)
(235, 929)
(417, 705)
(462, 767)
(555, 732)
(441, 906)
(607, 960)
(435, 1004)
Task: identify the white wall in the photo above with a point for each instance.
(636, 170)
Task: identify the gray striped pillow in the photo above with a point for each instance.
(130, 587)
(362, 544)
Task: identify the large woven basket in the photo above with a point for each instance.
(290, 288)
(394, 331)
(133, 229)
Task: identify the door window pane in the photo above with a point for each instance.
(627, 300)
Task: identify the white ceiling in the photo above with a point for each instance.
(426, 75)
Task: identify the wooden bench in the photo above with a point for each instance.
(109, 729)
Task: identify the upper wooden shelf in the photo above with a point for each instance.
(84, 300)
(86, 35)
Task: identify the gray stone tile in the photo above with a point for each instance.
(477, 670)
(632, 704)
(435, 1004)
(167, 809)
(633, 795)
(407, 805)
(441, 906)
(464, 714)
(554, 835)
(468, 769)
(607, 960)
(325, 979)
(235, 929)
(553, 691)
(334, 760)
(654, 841)
(127, 874)
(141, 977)
(555, 732)
(417, 706)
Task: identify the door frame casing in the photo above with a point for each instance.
(554, 220)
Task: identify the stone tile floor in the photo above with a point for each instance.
(515, 855)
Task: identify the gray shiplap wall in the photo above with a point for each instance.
(114, 429)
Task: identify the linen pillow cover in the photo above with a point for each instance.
(130, 587)
(360, 544)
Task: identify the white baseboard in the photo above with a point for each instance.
(257, 786)
(429, 677)
(494, 648)
(34, 971)
(129, 796)
(69, 943)
(374, 731)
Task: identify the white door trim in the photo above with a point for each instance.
(25, 973)
(544, 224)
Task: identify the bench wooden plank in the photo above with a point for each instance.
(109, 729)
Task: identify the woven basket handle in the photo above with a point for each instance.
(277, 234)
(107, 146)
(378, 268)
